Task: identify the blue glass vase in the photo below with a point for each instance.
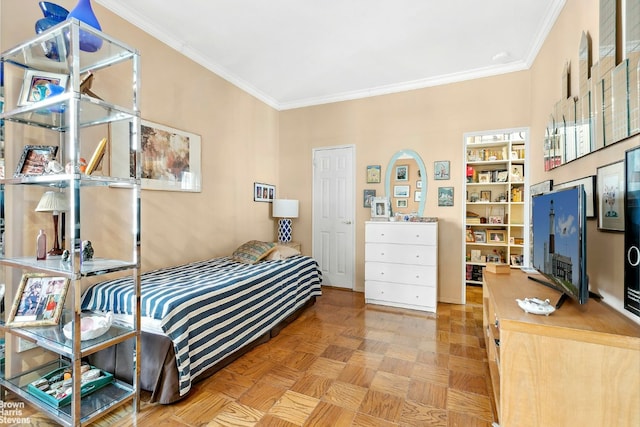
(84, 13)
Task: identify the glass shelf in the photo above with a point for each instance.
(62, 181)
(91, 406)
(31, 55)
(52, 338)
(54, 265)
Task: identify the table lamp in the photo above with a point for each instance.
(285, 209)
(55, 202)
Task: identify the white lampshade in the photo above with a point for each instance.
(285, 208)
(52, 201)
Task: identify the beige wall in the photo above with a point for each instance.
(243, 141)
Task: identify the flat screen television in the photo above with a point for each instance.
(558, 220)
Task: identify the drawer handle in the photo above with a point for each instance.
(381, 253)
(418, 236)
(418, 256)
(382, 273)
(417, 276)
(382, 234)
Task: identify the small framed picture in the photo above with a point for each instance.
(499, 236)
(34, 82)
(263, 192)
(468, 236)
(34, 160)
(541, 187)
(374, 173)
(417, 196)
(39, 300)
(445, 196)
(402, 173)
(97, 156)
(380, 208)
(610, 179)
(496, 219)
(479, 236)
(517, 173)
(485, 196)
(401, 203)
(441, 169)
(367, 197)
(484, 177)
(419, 183)
(516, 260)
(400, 191)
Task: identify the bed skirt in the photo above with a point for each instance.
(159, 373)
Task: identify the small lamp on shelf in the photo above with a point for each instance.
(54, 202)
(285, 209)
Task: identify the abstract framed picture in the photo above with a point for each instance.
(610, 179)
(445, 196)
(170, 158)
(39, 300)
(34, 80)
(263, 192)
(374, 173)
(441, 170)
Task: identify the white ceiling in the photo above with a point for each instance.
(294, 53)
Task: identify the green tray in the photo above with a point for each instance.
(88, 388)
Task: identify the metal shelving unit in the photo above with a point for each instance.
(64, 118)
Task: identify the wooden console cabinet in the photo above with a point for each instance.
(580, 366)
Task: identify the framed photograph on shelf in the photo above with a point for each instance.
(263, 192)
(39, 300)
(441, 170)
(480, 236)
(402, 173)
(468, 236)
(485, 196)
(445, 196)
(374, 173)
(34, 159)
(498, 236)
(484, 177)
(367, 197)
(96, 158)
(517, 173)
(400, 191)
(610, 180)
(589, 184)
(34, 82)
(380, 208)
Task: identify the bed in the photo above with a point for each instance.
(198, 317)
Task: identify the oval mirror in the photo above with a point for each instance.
(406, 183)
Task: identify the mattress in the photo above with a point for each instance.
(211, 308)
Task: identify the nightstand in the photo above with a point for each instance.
(294, 245)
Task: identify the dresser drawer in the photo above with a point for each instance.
(401, 273)
(403, 233)
(401, 254)
(408, 296)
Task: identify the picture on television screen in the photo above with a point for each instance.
(559, 241)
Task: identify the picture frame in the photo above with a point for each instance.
(263, 192)
(401, 191)
(469, 236)
(34, 159)
(34, 78)
(441, 170)
(445, 196)
(496, 219)
(96, 157)
(516, 260)
(170, 158)
(374, 173)
(479, 236)
(517, 173)
(611, 191)
(502, 176)
(419, 183)
(417, 196)
(541, 187)
(402, 173)
(380, 208)
(401, 203)
(497, 236)
(589, 184)
(484, 177)
(485, 195)
(367, 197)
(39, 300)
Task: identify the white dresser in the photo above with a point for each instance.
(401, 264)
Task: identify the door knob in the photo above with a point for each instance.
(346, 222)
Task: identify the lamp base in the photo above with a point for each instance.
(55, 251)
(284, 230)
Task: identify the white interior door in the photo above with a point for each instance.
(333, 214)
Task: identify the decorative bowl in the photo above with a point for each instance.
(91, 326)
(53, 11)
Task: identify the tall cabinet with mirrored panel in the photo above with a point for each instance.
(496, 217)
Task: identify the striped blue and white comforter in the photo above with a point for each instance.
(211, 308)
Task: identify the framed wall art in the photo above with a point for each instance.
(498, 236)
(445, 196)
(610, 180)
(33, 83)
(34, 159)
(380, 209)
(374, 173)
(39, 300)
(541, 187)
(441, 170)
(400, 191)
(401, 203)
(263, 192)
(402, 173)
(367, 197)
(589, 184)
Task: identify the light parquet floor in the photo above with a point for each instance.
(344, 363)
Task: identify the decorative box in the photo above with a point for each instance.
(87, 388)
(498, 268)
